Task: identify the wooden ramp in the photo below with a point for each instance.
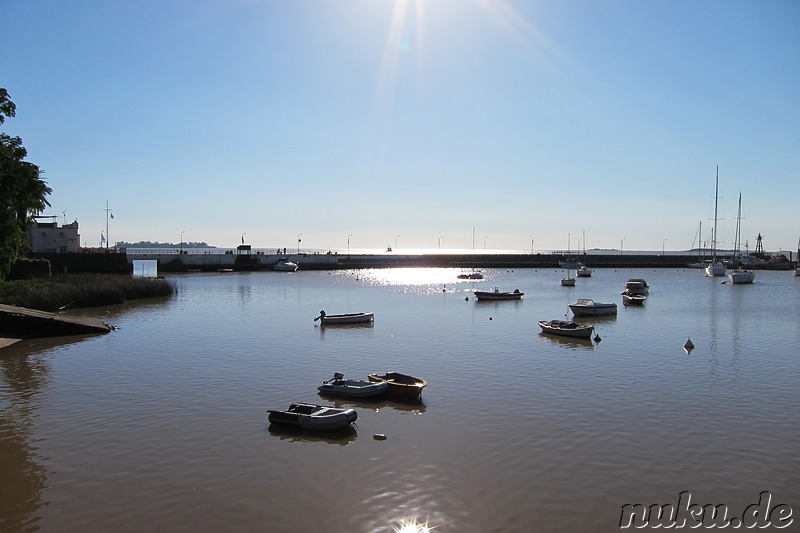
(18, 322)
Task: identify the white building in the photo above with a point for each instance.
(48, 237)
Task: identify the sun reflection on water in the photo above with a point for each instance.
(436, 277)
(411, 525)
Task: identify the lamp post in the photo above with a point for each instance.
(184, 231)
(620, 245)
(484, 241)
(348, 243)
(395, 240)
(439, 241)
(298, 242)
(533, 240)
(662, 245)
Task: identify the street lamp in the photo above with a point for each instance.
(395, 240)
(439, 241)
(533, 240)
(484, 241)
(298, 242)
(348, 243)
(662, 245)
(184, 231)
(620, 245)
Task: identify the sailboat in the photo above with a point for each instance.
(715, 268)
(740, 275)
(474, 274)
(568, 264)
(584, 271)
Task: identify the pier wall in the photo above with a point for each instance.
(208, 262)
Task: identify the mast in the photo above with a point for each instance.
(714, 234)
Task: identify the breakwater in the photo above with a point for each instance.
(172, 261)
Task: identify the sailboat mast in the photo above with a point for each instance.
(714, 235)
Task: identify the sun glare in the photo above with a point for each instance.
(412, 526)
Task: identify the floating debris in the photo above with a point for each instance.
(379, 436)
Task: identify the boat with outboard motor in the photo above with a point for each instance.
(347, 318)
(497, 294)
(352, 388)
(311, 416)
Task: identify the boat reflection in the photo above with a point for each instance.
(414, 405)
(342, 437)
(599, 319)
(568, 342)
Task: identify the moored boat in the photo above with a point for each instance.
(741, 276)
(401, 384)
(284, 265)
(353, 388)
(497, 294)
(471, 275)
(584, 272)
(568, 281)
(566, 328)
(588, 307)
(633, 299)
(311, 416)
(347, 318)
(637, 286)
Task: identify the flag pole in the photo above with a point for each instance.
(107, 210)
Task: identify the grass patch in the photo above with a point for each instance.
(81, 290)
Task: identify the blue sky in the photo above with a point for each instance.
(532, 121)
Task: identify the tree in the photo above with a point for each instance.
(23, 192)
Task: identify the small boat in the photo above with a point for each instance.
(568, 281)
(353, 388)
(715, 267)
(633, 299)
(310, 416)
(348, 318)
(566, 328)
(741, 276)
(284, 265)
(797, 271)
(401, 384)
(587, 307)
(498, 295)
(584, 272)
(636, 286)
(471, 275)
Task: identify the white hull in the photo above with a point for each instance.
(715, 270)
(285, 267)
(592, 308)
(584, 272)
(742, 276)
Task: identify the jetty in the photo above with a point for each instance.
(21, 322)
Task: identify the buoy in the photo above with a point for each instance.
(688, 346)
(597, 338)
(379, 436)
(466, 299)
(490, 318)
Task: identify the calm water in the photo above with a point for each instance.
(161, 425)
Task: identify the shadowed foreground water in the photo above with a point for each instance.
(161, 425)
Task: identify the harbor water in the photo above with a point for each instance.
(161, 425)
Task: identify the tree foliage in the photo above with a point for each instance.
(23, 192)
